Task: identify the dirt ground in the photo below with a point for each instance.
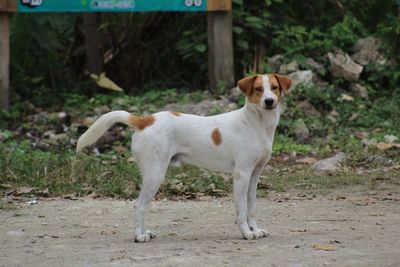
(362, 229)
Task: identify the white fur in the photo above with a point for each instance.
(247, 136)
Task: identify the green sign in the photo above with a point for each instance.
(110, 5)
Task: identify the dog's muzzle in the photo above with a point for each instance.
(269, 103)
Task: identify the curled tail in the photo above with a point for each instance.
(106, 121)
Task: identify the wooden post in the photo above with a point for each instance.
(94, 59)
(4, 60)
(220, 47)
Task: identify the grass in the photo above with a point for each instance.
(113, 176)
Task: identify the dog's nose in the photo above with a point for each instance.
(269, 102)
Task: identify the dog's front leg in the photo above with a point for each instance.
(251, 200)
(241, 181)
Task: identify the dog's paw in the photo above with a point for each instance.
(249, 236)
(146, 237)
(151, 234)
(260, 233)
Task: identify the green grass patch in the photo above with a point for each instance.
(112, 176)
(284, 144)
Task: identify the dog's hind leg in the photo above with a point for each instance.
(153, 171)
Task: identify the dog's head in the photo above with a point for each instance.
(265, 91)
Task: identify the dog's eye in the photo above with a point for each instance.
(259, 89)
(274, 88)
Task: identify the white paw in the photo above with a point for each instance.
(146, 237)
(249, 235)
(260, 233)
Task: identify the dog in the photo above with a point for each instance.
(237, 142)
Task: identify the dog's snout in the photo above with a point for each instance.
(269, 102)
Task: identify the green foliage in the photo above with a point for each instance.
(169, 50)
(41, 48)
(298, 40)
(284, 144)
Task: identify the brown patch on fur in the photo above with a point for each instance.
(246, 84)
(257, 91)
(253, 87)
(216, 137)
(141, 123)
(275, 88)
(284, 83)
(176, 114)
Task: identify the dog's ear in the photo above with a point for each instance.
(284, 83)
(246, 84)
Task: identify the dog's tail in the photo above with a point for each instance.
(103, 124)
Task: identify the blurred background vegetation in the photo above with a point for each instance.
(169, 50)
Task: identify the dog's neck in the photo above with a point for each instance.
(267, 120)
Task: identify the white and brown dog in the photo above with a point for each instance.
(237, 142)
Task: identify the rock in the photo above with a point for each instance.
(289, 68)
(234, 94)
(329, 164)
(366, 51)
(390, 138)
(88, 121)
(343, 66)
(49, 134)
(301, 131)
(308, 109)
(315, 66)
(275, 62)
(101, 110)
(359, 90)
(307, 160)
(301, 77)
(59, 138)
(346, 98)
(378, 160)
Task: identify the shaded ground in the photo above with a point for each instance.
(362, 227)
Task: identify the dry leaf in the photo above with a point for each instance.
(105, 82)
(324, 247)
(360, 135)
(119, 149)
(307, 160)
(383, 145)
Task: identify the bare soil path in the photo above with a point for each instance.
(362, 230)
